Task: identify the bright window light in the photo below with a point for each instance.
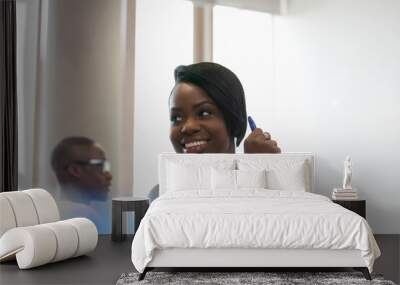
(163, 40)
(243, 42)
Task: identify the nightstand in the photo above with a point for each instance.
(357, 206)
(125, 204)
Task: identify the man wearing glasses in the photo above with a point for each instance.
(84, 176)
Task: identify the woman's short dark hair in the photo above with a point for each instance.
(223, 86)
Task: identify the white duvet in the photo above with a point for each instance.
(250, 219)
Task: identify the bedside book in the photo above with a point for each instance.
(344, 194)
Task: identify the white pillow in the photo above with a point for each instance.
(181, 177)
(283, 174)
(226, 179)
(192, 172)
(251, 178)
(288, 177)
(223, 179)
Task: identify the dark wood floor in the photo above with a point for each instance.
(110, 260)
(389, 262)
(103, 266)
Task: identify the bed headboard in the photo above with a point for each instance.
(213, 159)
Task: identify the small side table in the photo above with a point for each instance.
(124, 204)
(357, 206)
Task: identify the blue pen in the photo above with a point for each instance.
(251, 123)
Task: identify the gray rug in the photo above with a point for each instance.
(269, 278)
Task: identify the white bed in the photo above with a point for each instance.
(202, 220)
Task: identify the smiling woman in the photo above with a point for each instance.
(197, 124)
(208, 114)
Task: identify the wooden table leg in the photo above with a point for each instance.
(140, 211)
(116, 234)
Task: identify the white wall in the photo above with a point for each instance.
(335, 75)
(337, 93)
(336, 67)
